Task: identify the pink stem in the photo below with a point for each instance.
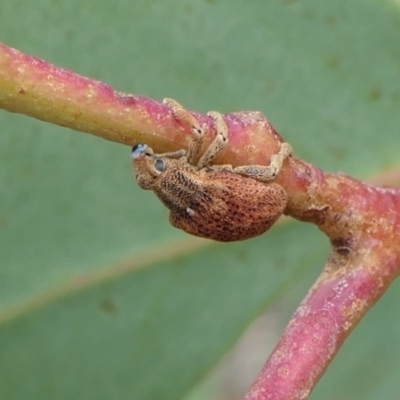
(34, 87)
(363, 223)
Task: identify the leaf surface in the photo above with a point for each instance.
(99, 297)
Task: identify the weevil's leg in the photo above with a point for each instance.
(220, 141)
(197, 138)
(266, 173)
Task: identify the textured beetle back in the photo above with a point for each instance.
(240, 208)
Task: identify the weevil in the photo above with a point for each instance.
(218, 202)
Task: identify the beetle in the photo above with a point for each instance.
(218, 202)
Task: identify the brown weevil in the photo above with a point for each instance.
(218, 202)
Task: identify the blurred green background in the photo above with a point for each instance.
(99, 297)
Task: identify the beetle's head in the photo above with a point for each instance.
(148, 166)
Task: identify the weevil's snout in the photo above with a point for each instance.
(144, 166)
(138, 150)
(142, 155)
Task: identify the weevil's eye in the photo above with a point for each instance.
(138, 150)
(160, 165)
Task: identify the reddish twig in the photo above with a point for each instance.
(363, 224)
(361, 220)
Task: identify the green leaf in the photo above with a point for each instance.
(99, 297)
